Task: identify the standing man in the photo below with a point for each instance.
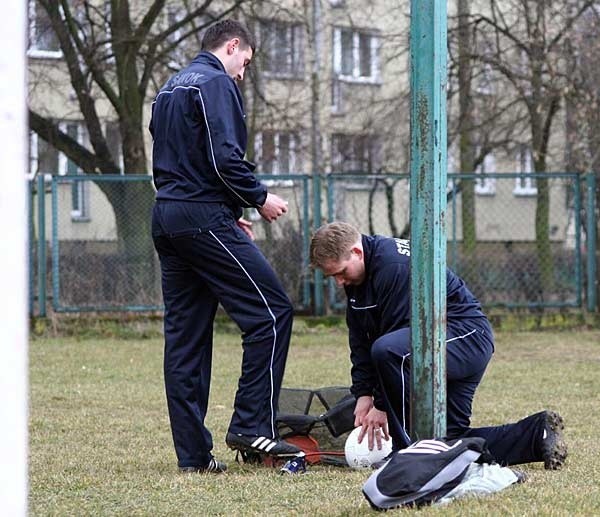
(207, 255)
(375, 273)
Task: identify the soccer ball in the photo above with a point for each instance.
(358, 455)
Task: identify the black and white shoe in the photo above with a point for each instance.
(553, 446)
(214, 467)
(261, 445)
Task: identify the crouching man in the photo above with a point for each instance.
(375, 274)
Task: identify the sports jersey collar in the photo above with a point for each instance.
(209, 58)
(368, 242)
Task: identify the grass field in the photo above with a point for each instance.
(100, 442)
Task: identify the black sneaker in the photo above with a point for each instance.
(214, 467)
(553, 446)
(260, 445)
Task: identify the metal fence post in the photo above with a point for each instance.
(41, 204)
(591, 241)
(318, 275)
(30, 240)
(428, 49)
(305, 243)
(55, 244)
(578, 255)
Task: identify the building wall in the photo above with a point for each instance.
(367, 129)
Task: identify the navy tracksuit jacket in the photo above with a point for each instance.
(378, 317)
(203, 182)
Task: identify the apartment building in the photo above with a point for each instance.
(328, 94)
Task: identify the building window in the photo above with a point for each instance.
(66, 167)
(524, 184)
(355, 154)
(281, 48)
(277, 152)
(113, 141)
(43, 41)
(484, 76)
(485, 186)
(43, 158)
(484, 81)
(355, 55)
(46, 159)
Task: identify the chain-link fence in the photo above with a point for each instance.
(99, 242)
(496, 241)
(99, 256)
(91, 245)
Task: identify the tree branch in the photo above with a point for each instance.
(51, 133)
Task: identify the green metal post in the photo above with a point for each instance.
(428, 48)
(55, 251)
(591, 242)
(454, 241)
(305, 243)
(30, 241)
(330, 196)
(318, 275)
(41, 205)
(578, 259)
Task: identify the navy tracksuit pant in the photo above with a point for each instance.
(469, 348)
(205, 259)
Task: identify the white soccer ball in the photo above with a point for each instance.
(358, 455)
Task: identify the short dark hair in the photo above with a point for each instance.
(332, 242)
(221, 32)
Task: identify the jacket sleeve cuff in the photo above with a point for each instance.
(262, 197)
(360, 392)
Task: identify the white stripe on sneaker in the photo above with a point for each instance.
(256, 443)
(271, 445)
(263, 443)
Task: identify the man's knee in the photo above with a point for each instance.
(379, 351)
(389, 346)
(283, 313)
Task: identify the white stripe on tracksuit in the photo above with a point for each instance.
(212, 153)
(274, 327)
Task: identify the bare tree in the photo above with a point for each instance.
(525, 39)
(466, 124)
(582, 53)
(115, 55)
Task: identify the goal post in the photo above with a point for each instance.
(13, 260)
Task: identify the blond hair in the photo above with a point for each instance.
(332, 242)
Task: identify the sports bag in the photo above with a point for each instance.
(423, 473)
(318, 421)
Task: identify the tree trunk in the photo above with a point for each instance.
(542, 236)
(540, 134)
(132, 203)
(466, 127)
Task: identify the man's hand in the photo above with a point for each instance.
(273, 208)
(372, 420)
(246, 226)
(361, 410)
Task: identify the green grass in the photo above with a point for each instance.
(100, 441)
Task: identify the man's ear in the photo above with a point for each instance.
(232, 44)
(357, 251)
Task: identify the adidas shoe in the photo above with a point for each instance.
(260, 445)
(553, 446)
(214, 467)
